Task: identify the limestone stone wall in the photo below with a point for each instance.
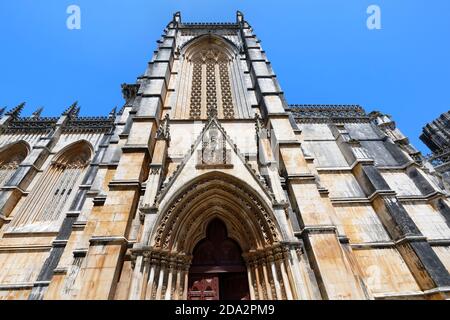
(326, 202)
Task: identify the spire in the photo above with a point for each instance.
(76, 112)
(37, 113)
(112, 114)
(177, 17)
(2, 111)
(239, 17)
(72, 110)
(15, 112)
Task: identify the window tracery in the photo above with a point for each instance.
(47, 200)
(214, 65)
(10, 161)
(196, 94)
(227, 100)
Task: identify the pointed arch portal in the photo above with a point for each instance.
(216, 238)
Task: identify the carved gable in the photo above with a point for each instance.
(213, 150)
(214, 153)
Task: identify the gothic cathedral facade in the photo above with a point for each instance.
(207, 185)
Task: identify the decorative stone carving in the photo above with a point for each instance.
(191, 31)
(328, 113)
(155, 170)
(196, 92)
(10, 159)
(129, 92)
(248, 201)
(37, 113)
(210, 77)
(227, 100)
(163, 132)
(206, 63)
(53, 191)
(211, 90)
(15, 112)
(214, 153)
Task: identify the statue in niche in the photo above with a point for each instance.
(214, 152)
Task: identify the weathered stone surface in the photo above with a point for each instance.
(321, 201)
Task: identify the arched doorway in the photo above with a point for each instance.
(218, 270)
(174, 253)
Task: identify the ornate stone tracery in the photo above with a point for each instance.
(356, 196)
(196, 92)
(183, 223)
(214, 152)
(213, 65)
(44, 206)
(211, 89)
(329, 113)
(227, 100)
(11, 157)
(199, 189)
(209, 62)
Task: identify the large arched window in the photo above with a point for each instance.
(211, 92)
(211, 81)
(43, 208)
(10, 159)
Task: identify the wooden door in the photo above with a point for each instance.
(203, 287)
(218, 270)
(234, 286)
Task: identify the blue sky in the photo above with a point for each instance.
(321, 50)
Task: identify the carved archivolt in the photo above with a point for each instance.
(212, 196)
(183, 224)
